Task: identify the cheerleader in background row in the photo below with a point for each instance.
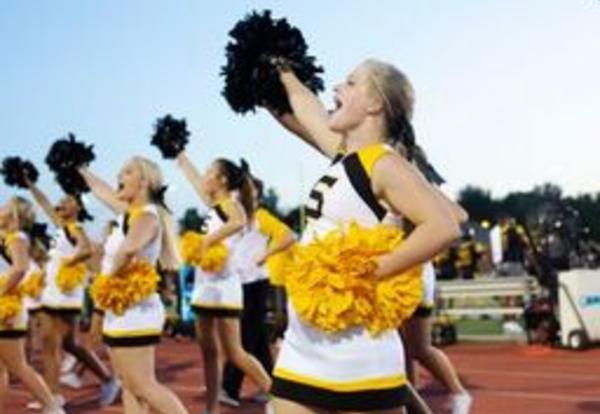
(368, 180)
(15, 218)
(417, 330)
(217, 297)
(71, 370)
(145, 234)
(265, 237)
(61, 304)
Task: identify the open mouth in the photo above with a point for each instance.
(120, 186)
(337, 104)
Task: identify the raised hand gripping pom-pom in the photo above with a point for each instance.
(170, 136)
(251, 79)
(65, 156)
(17, 171)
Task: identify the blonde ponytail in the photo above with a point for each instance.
(169, 258)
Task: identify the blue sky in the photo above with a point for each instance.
(507, 90)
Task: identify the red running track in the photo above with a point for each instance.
(504, 379)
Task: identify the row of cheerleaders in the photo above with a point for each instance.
(358, 274)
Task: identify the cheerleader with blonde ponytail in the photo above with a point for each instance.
(126, 288)
(16, 217)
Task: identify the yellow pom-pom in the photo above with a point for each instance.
(70, 277)
(33, 284)
(332, 285)
(214, 258)
(10, 304)
(121, 291)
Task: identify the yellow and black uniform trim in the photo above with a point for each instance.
(217, 310)
(15, 333)
(132, 338)
(362, 395)
(60, 311)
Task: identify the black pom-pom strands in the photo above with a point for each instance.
(65, 156)
(251, 77)
(170, 136)
(17, 172)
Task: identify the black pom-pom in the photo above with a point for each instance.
(71, 182)
(65, 156)
(170, 136)
(251, 79)
(16, 170)
(39, 231)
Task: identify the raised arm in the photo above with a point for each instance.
(309, 121)
(435, 226)
(84, 250)
(42, 200)
(103, 191)
(193, 176)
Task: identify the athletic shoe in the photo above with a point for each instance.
(512, 327)
(269, 409)
(109, 391)
(227, 399)
(68, 363)
(71, 380)
(461, 403)
(37, 406)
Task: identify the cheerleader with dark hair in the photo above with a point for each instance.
(16, 218)
(62, 299)
(217, 296)
(265, 237)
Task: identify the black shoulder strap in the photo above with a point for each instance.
(125, 224)
(69, 236)
(338, 157)
(221, 213)
(362, 184)
(4, 252)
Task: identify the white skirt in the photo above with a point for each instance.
(217, 294)
(140, 325)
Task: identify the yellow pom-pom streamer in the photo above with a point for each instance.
(128, 287)
(70, 277)
(332, 285)
(214, 258)
(33, 284)
(10, 304)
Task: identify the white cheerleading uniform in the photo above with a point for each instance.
(141, 324)
(18, 326)
(349, 370)
(53, 300)
(218, 294)
(252, 244)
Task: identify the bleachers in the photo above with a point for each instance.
(481, 296)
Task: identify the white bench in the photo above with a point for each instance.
(468, 296)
